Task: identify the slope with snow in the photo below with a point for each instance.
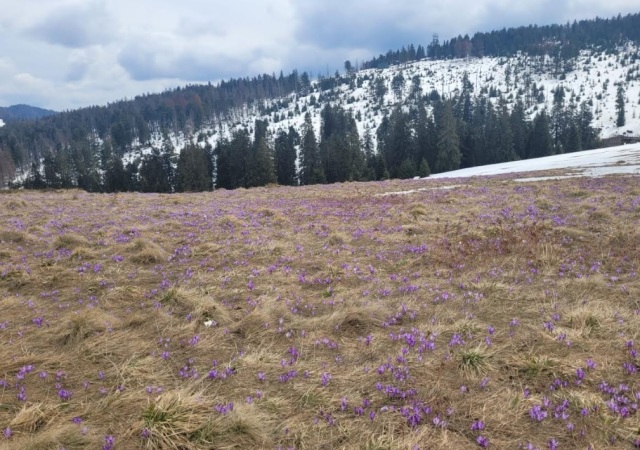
(624, 159)
(593, 77)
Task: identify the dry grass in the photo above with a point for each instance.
(322, 317)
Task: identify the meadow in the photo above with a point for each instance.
(492, 314)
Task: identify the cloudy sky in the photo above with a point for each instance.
(65, 54)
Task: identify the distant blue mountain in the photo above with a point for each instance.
(17, 113)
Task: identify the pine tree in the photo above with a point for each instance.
(285, 156)
(262, 170)
(407, 169)
(115, 177)
(398, 143)
(35, 179)
(193, 173)
(424, 170)
(519, 129)
(448, 156)
(7, 168)
(311, 170)
(588, 134)
(574, 140)
(503, 137)
(620, 118)
(540, 142)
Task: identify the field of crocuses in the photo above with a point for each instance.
(494, 314)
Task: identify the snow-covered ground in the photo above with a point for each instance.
(624, 159)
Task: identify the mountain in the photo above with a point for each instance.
(23, 112)
(460, 103)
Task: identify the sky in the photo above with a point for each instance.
(67, 54)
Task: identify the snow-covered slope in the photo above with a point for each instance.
(593, 77)
(623, 159)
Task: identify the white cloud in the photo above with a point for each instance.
(77, 26)
(88, 52)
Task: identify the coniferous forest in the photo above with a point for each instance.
(426, 132)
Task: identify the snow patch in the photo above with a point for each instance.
(624, 159)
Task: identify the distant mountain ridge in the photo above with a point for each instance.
(20, 112)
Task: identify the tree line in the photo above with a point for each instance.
(564, 41)
(423, 135)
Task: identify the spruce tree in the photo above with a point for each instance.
(115, 177)
(285, 156)
(540, 142)
(407, 169)
(311, 170)
(588, 134)
(448, 155)
(620, 118)
(519, 129)
(424, 170)
(192, 173)
(261, 172)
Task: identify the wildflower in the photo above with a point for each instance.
(553, 444)
(261, 376)
(7, 433)
(482, 441)
(65, 395)
(477, 425)
(456, 339)
(109, 441)
(537, 413)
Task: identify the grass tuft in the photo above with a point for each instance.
(144, 251)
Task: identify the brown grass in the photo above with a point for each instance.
(155, 311)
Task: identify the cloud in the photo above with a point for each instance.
(88, 52)
(379, 25)
(157, 60)
(77, 26)
(333, 24)
(79, 64)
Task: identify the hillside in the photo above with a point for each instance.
(23, 112)
(593, 77)
(578, 91)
